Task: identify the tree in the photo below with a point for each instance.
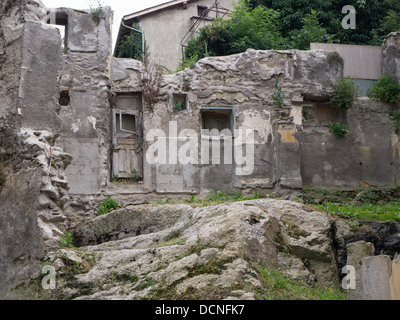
(132, 46)
(258, 28)
(312, 31)
(372, 17)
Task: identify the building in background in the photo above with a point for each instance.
(363, 64)
(167, 27)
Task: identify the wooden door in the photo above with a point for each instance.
(127, 151)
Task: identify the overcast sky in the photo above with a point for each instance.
(120, 7)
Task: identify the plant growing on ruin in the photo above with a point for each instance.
(396, 118)
(134, 175)
(387, 90)
(278, 95)
(344, 92)
(338, 129)
(150, 82)
(96, 10)
(107, 205)
(179, 106)
(66, 240)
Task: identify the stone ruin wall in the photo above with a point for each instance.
(56, 153)
(34, 197)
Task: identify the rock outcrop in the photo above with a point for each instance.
(208, 252)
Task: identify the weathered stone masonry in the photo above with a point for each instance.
(59, 108)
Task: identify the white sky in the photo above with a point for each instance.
(120, 8)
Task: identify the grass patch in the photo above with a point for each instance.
(66, 240)
(279, 287)
(196, 248)
(216, 197)
(387, 212)
(211, 267)
(148, 282)
(107, 205)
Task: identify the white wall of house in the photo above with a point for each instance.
(165, 29)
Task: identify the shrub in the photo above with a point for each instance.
(107, 205)
(387, 90)
(338, 129)
(66, 240)
(96, 11)
(344, 91)
(132, 46)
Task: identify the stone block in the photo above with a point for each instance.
(376, 272)
(395, 280)
(356, 251)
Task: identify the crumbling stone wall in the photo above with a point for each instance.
(35, 190)
(391, 56)
(289, 152)
(244, 84)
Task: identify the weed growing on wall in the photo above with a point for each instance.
(338, 129)
(387, 90)
(278, 96)
(96, 10)
(107, 205)
(396, 118)
(344, 92)
(150, 82)
(66, 240)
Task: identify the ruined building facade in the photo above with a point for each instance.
(74, 123)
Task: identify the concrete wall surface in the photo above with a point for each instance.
(360, 62)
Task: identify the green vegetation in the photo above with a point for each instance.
(107, 205)
(312, 31)
(344, 92)
(132, 46)
(148, 282)
(257, 28)
(276, 286)
(380, 204)
(396, 118)
(217, 197)
(66, 240)
(135, 177)
(196, 248)
(278, 96)
(338, 129)
(285, 24)
(387, 90)
(179, 106)
(374, 20)
(172, 239)
(96, 10)
(280, 287)
(211, 267)
(387, 212)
